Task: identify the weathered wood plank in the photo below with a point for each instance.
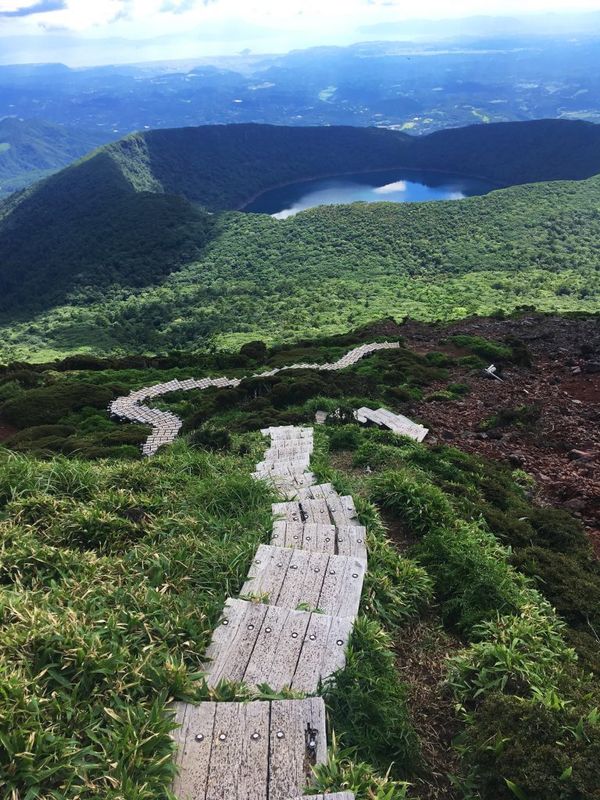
(342, 586)
(305, 579)
(267, 646)
(335, 796)
(297, 743)
(233, 641)
(248, 751)
(352, 541)
(226, 753)
(194, 743)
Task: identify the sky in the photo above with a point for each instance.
(78, 32)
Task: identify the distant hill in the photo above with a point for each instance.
(142, 208)
(32, 149)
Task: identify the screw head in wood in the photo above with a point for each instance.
(332, 572)
(280, 734)
(222, 737)
(294, 566)
(268, 630)
(199, 737)
(340, 642)
(312, 637)
(294, 635)
(255, 736)
(250, 627)
(355, 574)
(225, 622)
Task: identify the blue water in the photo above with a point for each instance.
(395, 186)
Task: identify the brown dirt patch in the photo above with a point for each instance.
(560, 383)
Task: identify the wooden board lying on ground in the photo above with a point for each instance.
(248, 751)
(397, 423)
(336, 796)
(257, 643)
(311, 581)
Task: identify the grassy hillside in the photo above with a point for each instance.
(31, 149)
(114, 571)
(329, 268)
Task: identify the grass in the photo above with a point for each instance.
(113, 576)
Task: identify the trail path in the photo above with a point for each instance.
(166, 426)
(289, 629)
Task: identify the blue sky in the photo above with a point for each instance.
(108, 31)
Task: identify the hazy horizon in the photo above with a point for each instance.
(109, 32)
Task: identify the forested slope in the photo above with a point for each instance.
(135, 213)
(333, 266)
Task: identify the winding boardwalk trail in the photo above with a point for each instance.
(289, 629)
(166, 425)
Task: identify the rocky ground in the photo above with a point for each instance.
(559, 442)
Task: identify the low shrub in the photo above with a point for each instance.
(419, 505)
(473, 579)
(344, 438)
(522, 654)
(49, 404)
(493, 351)
(572, 585)
(517, 748)
(367, 702)
(211, 439)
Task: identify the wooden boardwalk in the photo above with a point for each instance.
(166, 426)
(289, 630)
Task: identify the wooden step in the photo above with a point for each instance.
(248, 751)
(306, 536)
(282, 647)
(311, 581)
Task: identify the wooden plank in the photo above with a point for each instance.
(319, 537)
(254, 762)
(231, 647)
(304, 581)
(342, 586)
(298, 742)
(289, 511)
(342, 510)
(278, 648)
(335, 796)
(194, 743)
(334, 652)
(352, 541)
(226, 753)
(268, 646)
(315, 511)
(267, 573)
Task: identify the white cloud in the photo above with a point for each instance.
(390, 188)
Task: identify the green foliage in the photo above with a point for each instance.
(531, 751)
(344, 438)
(210, 439)
(419, 504)
(492, 351)
(343, 773)
(278, 280)
(367, 702)
(521, 654)
(472, 576)
(49, 404)
(112, 577)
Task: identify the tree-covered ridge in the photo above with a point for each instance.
(332, 267)
(31, 148)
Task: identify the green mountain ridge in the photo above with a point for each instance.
(125, 249)
(32, 149)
